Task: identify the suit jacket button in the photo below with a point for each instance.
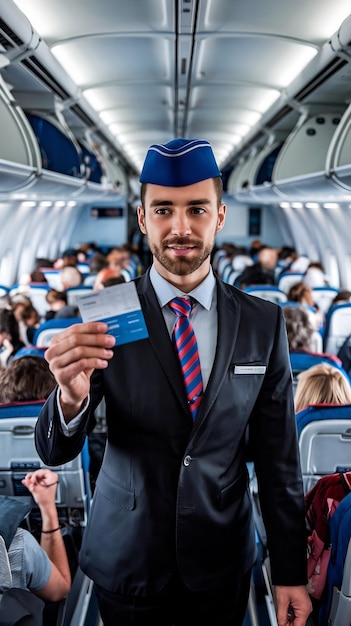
(187, 460)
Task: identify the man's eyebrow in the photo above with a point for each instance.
(200, 201)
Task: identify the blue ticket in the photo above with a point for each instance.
(119, 307)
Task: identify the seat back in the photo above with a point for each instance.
(324, 433)
(323, 297)
(267, 292)
(337, 327)
(47, 330)
(288, 279)
(301, 361)
(335, 609)
(74, 292)
(36, 292)
(19, 456)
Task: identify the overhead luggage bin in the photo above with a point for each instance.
(305, 150)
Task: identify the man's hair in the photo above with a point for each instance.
(27, 378)
(217, 180)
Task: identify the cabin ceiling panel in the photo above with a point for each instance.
(137, 72)
(234, 59)
(312, 20)
(145, 59)
(62, 19)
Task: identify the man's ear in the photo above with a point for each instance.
(141, 219)
(221, 217)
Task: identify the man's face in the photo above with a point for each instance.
(181, 224)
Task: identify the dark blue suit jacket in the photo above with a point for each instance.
(172, 493)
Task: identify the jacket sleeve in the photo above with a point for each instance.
(53, 446)
(274, 442)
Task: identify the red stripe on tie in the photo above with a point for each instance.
(185, 341)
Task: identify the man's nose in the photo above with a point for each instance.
(181, 225)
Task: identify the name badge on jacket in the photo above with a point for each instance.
(249, 369)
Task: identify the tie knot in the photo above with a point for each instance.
(181, 306)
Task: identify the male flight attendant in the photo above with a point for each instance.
(170, 536)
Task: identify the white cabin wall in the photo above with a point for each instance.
(236, 227)
(104, 231)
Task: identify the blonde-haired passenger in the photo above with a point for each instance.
(322, 384)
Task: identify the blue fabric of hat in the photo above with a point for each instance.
(179, 163)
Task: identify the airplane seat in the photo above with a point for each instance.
(18, 456)
(73, 292)
(288, 279)
(45, 332)
(323, 297)
(30, 350)
(324, 433)
(231, 276)
(337, 327)
(267, 292)
(89, 279)
(303, 360)
(37, 294)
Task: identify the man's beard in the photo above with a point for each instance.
(181, 266)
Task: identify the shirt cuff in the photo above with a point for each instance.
(73, 426)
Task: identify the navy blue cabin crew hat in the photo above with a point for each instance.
(179, 163)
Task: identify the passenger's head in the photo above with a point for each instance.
(298, 327)
(27, 378)
(342, 297)
(70, 277)
(181, 207)
(268, 257)
(300, 292)
(9, 328)
(322, 384)
(56, 299)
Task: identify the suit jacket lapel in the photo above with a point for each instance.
(160, 339)
(229, 311)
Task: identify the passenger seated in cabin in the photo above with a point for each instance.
(302, 293)
(59, 308)
(342, 297)
(315, 276)
(112, 280)
(105, 274)
(25, 379)
(70, 277)
(321, 384)
(30, 319)
(301, 335)
(344, 354)
(10, 340)
(262, 272)
(41, 568)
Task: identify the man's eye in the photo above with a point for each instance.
(162, 211)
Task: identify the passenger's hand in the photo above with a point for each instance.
(73, 355)
(42, 484)
(293, 605)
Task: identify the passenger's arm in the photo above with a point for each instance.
(42, 485)
(73, 355)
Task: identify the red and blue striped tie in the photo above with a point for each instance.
(185, 342)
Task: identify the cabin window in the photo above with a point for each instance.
(254, 221)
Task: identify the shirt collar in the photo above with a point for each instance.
(165, 292)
